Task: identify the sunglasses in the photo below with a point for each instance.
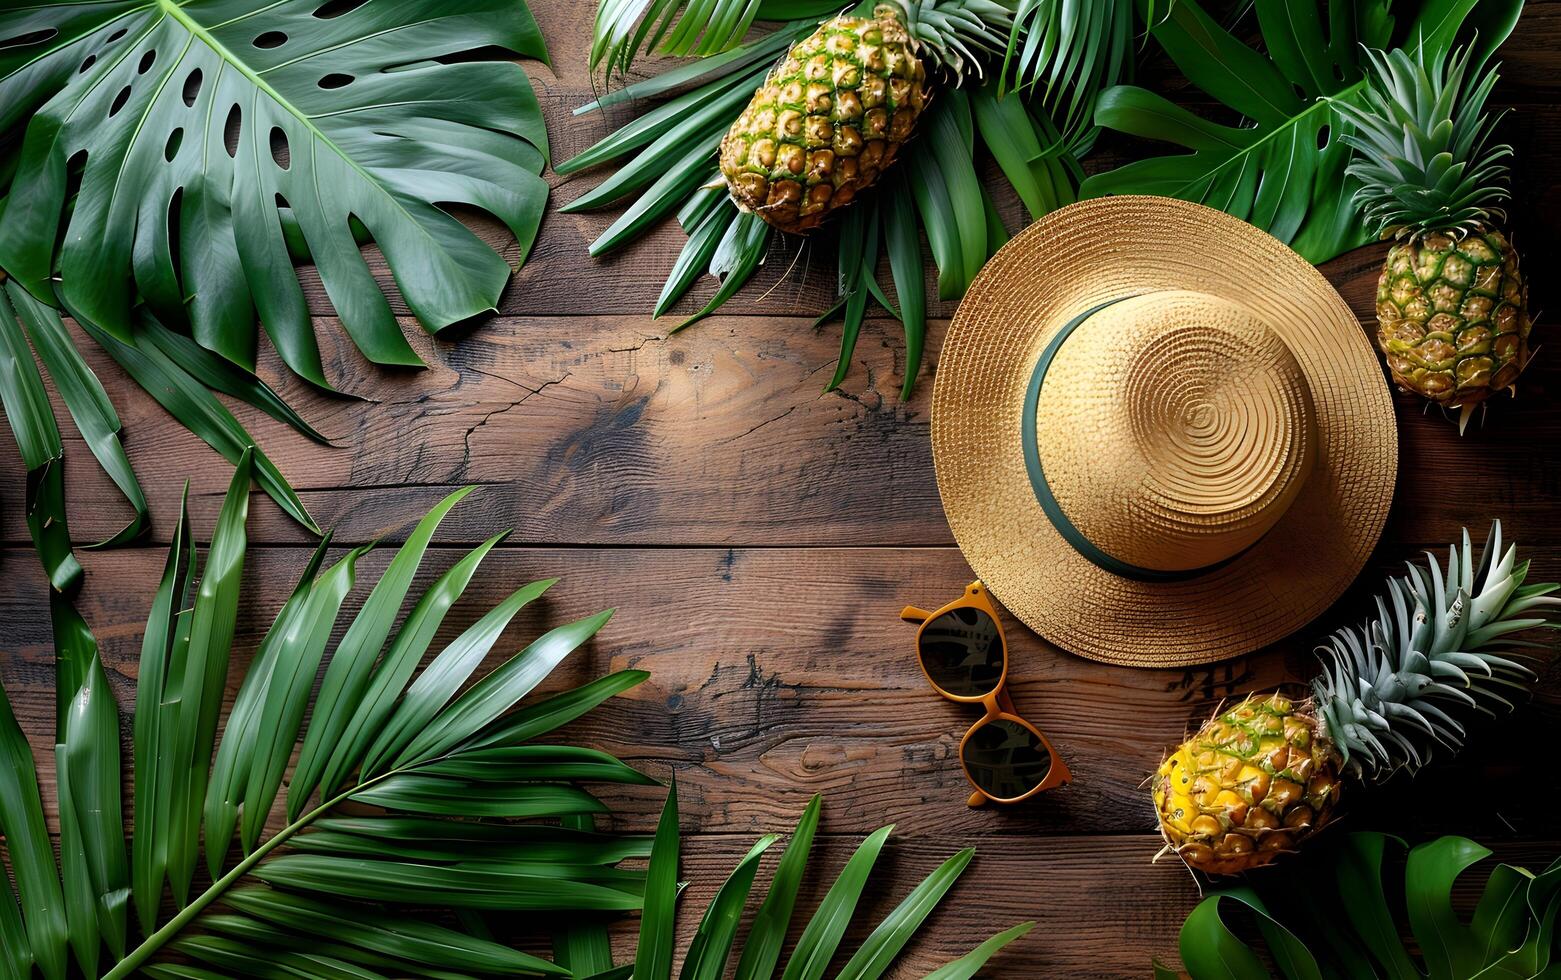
(965, 657)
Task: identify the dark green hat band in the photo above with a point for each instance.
(1043, 491)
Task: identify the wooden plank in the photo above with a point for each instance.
(1101, 908)
(601, 430)
(798, 277)
(799, 273)
(777, 673)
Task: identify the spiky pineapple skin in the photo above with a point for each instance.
(826, 122)
(1255, 781)
(1452, 315)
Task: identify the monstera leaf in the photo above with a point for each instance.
(184, 152)
(1283, 168)
(1340, 921)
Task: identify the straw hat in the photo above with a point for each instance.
(1161, 437)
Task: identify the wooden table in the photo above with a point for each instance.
(758, 538)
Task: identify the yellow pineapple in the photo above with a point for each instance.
(1452, 306)
(832, 115)
(1259, 778)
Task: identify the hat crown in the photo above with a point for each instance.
(1174, 429)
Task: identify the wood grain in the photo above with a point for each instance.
(758, 537)
(777, 673)
(603, 431)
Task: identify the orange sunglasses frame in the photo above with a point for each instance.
(996, 702)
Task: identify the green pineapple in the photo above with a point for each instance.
(1261, 777)
(1452, 306)
(832, 115)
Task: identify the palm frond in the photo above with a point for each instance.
(1071, 52)
(759, 956)
(447, 782)
(667, 158)
(1284, 168)
(625, 29)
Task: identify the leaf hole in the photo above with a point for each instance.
(175, 203)
(1300, 92)
(280, 152)
(335, 8)
(281, 202)
(74, 168)
(1338, 72)
(28, 39)
(271, 39)
(1323, 136)
(119, 102)
(231, 130)
(192, 87)
(336, 80)
(175, 140)
(147, 60)
(116, 36)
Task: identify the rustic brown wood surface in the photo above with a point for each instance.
(758, 538)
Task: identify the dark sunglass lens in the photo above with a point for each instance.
(963, 653)
(1006, 759)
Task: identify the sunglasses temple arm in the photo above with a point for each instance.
(915, 614)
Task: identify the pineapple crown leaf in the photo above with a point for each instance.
(958, 34)
(1422, 143)
(1400, 685)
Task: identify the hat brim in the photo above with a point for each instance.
(1079, 257)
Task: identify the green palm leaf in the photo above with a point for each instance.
(714, 942)
(1283, 169)
(666, 167)
(335, 888)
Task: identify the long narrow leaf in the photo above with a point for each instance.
(880, 948)
(496, 693)
(368, 724)
(235, 754)
(819, 941)
(154, 719)
(297, 662)
(761, 950)
(711, 946)
(89, 768)
(31, 418)
(86, 401)
(653, 956)
(455, 887)
(968, 965)
(442, 678)
(408, 939)
(544, 716)
(352, 664)
(198, 410)
(197, 676)
(27, 842)
(220, 374)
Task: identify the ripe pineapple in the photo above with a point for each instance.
(1452, 306)
(1261, 777)
(832, 114)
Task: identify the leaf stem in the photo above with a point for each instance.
(157, 940)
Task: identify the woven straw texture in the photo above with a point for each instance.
(1228, 408)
